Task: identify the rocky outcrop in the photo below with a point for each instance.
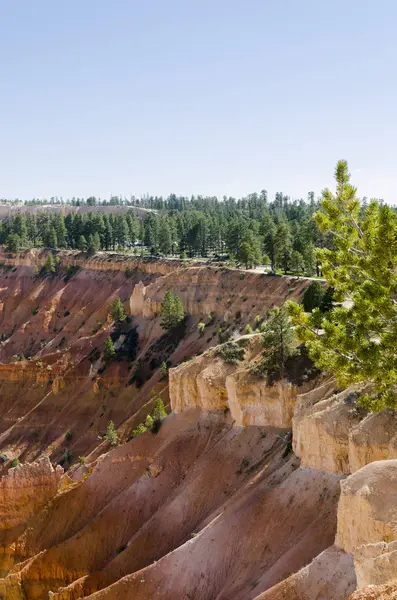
(212, 383)
(330, 576)
(367, 506)
(376, 564)
(332, 433)
(25, 489)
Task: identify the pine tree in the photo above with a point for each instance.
(357, 341)
(111, 434)
(309, 259)
(296, 262)
(249, 252)
(117, 311)
(159, 413)
(283, 246)
(51, 240)
(49, 265)
(268, 232)
(172, 311)
(13, 243)
(109, 350)
(81, 243)
(313, 296)
(278, 343)
(165, 243)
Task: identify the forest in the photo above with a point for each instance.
(250, 231)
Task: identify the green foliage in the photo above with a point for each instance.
(159, 413)
(117, 311)
(249, 251)
(71, 270)
(153, 420)
(327, 301)
(15, 462)
(49, 266)
(164, 370)
(111, 434)
(278, 344)
(82, 460)
(109, 350)
(68, 436)
(313, 296)
(297, 262)
(172, 311)
(13, 243)
(231, 353)
(149, 422)
(139, 430)
(81, 243)
(200, 328)
(356, 339)
(248, 328)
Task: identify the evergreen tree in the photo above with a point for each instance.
(20, 228)
(111, 434)
(296, 262)
(117, 311)
(51, 240)
(172, 311)
(313, 296)
(283, 246)
(165, 242)
(268, 233)
(327, 301)
(357, 341)
(81, 243)
(278, 343)
(49, 265)
(249, 252)
(309, 259)
(13, 243)
(109, 350)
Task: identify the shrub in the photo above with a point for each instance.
(82, 460)
(68, 436)
(231, 353)
(111, 434)
(201, 327)
(248, 328)
(15, 462)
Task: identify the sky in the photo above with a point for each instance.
(212, 97)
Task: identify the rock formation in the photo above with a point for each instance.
(247, 490)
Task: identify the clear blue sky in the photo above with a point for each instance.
(196, 96)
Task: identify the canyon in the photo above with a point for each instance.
(248, 491)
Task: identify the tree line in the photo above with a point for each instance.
(280, 233)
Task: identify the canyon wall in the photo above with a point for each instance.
(248, 490)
